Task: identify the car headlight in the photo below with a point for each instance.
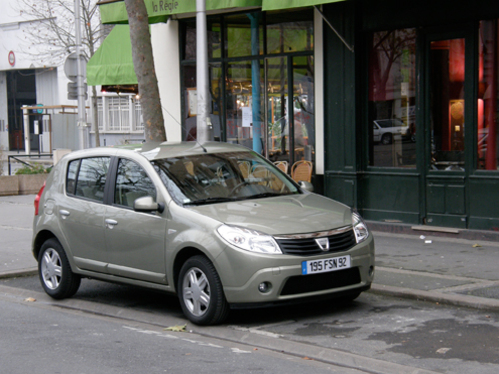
(249, 240)
(359, 227)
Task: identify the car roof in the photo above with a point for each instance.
(155, 150)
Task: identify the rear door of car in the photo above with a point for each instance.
(135, 240)
(81, 211)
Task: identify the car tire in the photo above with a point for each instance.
(54, 271)
(386, 139)
(201, 293)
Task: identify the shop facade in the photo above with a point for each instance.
(394, 103)
(421, 145)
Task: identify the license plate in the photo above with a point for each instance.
(325, 265)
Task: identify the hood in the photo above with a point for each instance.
(291, 214)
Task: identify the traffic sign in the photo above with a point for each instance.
(71, 67)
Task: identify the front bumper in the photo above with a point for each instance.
(284, 277)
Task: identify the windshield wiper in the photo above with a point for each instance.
(265, 194)
(210, 200)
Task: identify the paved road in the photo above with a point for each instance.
(37, 338)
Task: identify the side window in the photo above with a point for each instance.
(71, 177)
(132, 182)
(392, 98)
(92, 178)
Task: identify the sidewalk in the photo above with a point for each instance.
(456, 269)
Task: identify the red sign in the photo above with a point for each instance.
(12, 58)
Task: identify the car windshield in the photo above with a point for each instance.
(219, 177)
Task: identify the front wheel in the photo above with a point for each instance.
(54, 271)
(201, 293)
(386, 139)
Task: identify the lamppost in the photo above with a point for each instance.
(82, 123)
(203, 123)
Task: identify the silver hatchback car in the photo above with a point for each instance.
(217, 224)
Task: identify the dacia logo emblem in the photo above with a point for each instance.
(323, 243)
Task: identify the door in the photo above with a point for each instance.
(81, 212)
(135, 241)
(447, 105)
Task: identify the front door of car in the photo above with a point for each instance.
(135, 240)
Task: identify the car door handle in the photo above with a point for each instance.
(64, 213)
(110, 223)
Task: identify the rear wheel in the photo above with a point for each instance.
(201, 293)
(54, 271)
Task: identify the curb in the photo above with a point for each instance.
(475, 302)
(436, 231)
(18, 273)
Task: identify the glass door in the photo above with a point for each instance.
(445, 124)
(447, 99)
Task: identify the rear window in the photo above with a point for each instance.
(87, 177)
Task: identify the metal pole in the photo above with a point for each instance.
(27, 143)
(79, 80)
(203, 133)
(255, 82)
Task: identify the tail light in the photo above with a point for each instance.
(37, 199)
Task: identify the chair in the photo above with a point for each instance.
(261, 173)
(302, 171)
(283, 165)
(245, 168)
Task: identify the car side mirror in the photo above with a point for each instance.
(147, 204)
(307, 186)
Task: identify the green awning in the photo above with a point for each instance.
(286, 4)
(112, 63)
(159, 10)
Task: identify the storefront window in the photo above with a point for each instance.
(244, 103)
(487, 129)
(214, 40)
(303, 98)
(291, 32)
(190, 97)
(277, 107)
(244, 34)
(297, 120)
(392, 99)
(259, 100)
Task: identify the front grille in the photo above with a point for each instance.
(309, 247)
(320, 282)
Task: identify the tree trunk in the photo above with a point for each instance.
(154, 125)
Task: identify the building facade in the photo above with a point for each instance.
(394, 103)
